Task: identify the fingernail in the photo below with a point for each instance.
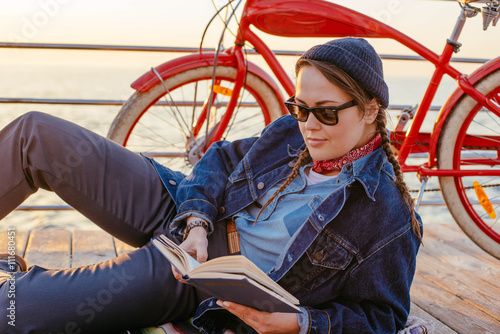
(222, 304)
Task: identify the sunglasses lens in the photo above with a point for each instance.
(302, 113)
(297, 112)
(327, 116)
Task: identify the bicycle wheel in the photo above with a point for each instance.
(173, 129)
(470, 139)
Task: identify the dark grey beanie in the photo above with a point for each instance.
(358, 59)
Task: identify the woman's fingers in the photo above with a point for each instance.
(177, 275)
(201, 252)
(196, 244)
(263, 322)
(245, 313)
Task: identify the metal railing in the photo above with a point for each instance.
(174, 49)
(166, 49)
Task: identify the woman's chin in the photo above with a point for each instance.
(320, 156)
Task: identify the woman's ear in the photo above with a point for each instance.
(371, 111)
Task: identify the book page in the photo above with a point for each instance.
(179, 258)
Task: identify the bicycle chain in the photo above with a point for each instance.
(495, 148)
(467, 147)
(466, 188)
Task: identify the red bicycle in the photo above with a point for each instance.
(234, 98)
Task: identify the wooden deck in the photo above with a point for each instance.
(457, 285)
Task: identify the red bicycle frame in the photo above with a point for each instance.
(316, 18)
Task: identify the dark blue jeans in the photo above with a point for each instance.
(121, 192)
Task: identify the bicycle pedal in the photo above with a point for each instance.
(489, 15)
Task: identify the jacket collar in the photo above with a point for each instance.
(295, 151)
(367, 170)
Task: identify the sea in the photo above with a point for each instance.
(111, 80)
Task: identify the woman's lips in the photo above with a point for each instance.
(315, 141)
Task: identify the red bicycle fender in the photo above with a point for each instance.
(476, 76)
(181, 64)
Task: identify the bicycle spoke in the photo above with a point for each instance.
(486, 127)
(231, 123)
(486, 217)
(193, 113)
(163, 119)
(161, 143)
(494, 119)
(175, 114)
(242, 121)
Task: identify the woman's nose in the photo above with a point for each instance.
(312, 122)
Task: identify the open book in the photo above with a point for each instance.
(232, 278)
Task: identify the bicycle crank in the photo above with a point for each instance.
(194, 150)
(196, 147)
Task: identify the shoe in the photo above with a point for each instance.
(12, 264)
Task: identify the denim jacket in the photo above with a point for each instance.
(353, 264)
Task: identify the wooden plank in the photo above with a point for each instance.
(451, 310)
(453, 235)
(92, 246)
(122, 248)
(439, 327)
(49, 248)
(436, 261)
(438, 241)
(21, 238)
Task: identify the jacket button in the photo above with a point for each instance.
(291, 164)
(172, 182)
(320, 217)
(318, 256)
(260, 186)
(222, 210)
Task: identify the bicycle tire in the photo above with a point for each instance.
(467, 119)
(142, 125)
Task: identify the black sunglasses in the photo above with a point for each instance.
(326, 115)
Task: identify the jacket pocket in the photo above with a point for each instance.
(325, 261)
(328, 261)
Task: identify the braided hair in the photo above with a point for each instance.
(303, 159)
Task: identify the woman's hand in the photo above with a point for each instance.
(196, 245)
(263, 322)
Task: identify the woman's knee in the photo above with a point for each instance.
(32, 118)
(28, 128)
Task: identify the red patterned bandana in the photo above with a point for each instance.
(325, 166)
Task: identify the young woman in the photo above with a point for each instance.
(318, 201)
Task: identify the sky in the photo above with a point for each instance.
(181, 22)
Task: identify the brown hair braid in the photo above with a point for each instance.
(303, 158)
(401, 184)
